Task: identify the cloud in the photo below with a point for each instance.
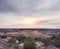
(41, 22)
(5, 7)
(30, 7)
(47, 12)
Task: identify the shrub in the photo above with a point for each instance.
(30, 44)
(56, 42)
(21, 38)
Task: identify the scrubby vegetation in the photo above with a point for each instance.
(54, 40)
(21, 38)
(29, 44)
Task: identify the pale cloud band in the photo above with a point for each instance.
(46, 12)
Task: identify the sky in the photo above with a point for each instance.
(30, 14)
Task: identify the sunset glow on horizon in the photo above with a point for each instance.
(29, 21)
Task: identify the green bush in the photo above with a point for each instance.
(16, 47)
(21, 38)
(56, 42)
(12, 40)
(46, 41)
(30, 44)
